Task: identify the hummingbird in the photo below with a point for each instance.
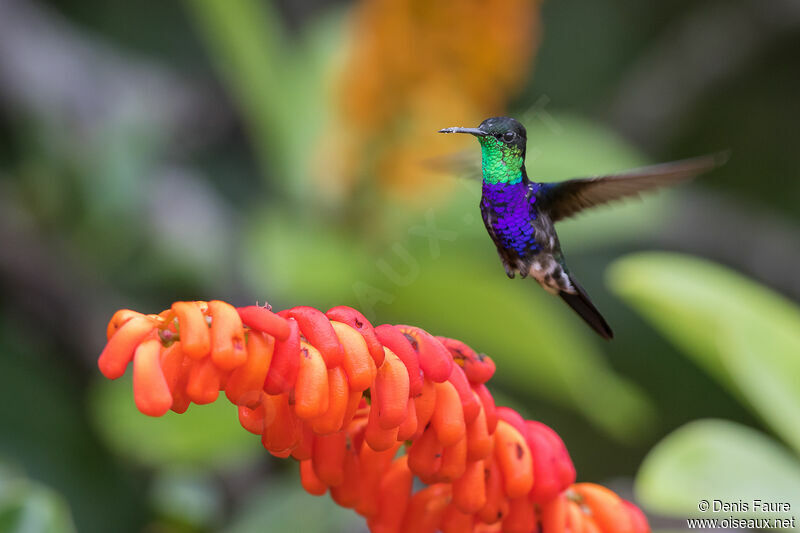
(520, 214)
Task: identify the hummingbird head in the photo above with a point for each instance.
(502, 142)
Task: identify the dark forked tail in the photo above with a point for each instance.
(582, 305)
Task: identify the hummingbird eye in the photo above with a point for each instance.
(509, 136)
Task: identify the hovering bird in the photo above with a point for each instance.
(520, 214)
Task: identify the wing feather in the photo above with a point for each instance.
(567, 198)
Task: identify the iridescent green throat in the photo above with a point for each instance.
(501, 163)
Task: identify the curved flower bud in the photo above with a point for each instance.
(285, 362)
(194, 332)
(119, 350)
(478, 368)
(262, 319)
(311, 398)
(316, 327)
(434, 359)
(354, 319)
(551, 462)
(150, 390)
(227, 336)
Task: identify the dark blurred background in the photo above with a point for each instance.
(286, 151)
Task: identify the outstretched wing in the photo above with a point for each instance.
(565, 199)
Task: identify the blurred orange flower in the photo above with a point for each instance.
(364, 411)
(416, 66)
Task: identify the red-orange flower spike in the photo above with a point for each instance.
(496, 507)
(395, 341)
(469, 403)
(514, 459)
(373, 465)
(479, 443)
(316, 327)
(357, 363)
(353, 401)
(424, 405)
(252, 419)
(394, 492)
(354, 319)
(390, 392)
(204, 380)
(554, 515)
(478, 459)
(311, 394)
(180, 399)
(478, 368)
(194, 332)
(348, 493)
(282, 428)
(118, 320)
(521, 517)
(172, 364)
(176, 367)
(638, 520)
(448, 416)
(576, 519)
(119, 350)
(409, 427)
(513, 418)
(302, 451)
(589, 526)
(488, 406)
(309, 479)
(327, 456)
(262, 319)
(454, 461)
(425, 455)
(434, 359)
(245, 384)
(469, 491)
(455, 521)
(551, 462)
(227, 336)
(285, 363)
(377, 437)
(608, 510)
(338, 396)
(150, 390)
(426, 509)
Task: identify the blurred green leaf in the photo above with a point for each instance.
(306, 260)
(765, 364)
(716, 459)
(245, 40)
(207, 436)
(29, 507)
(276, 80)
(745, 335)
(553, 139)
(282, 505)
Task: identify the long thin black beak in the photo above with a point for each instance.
(471, 131)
